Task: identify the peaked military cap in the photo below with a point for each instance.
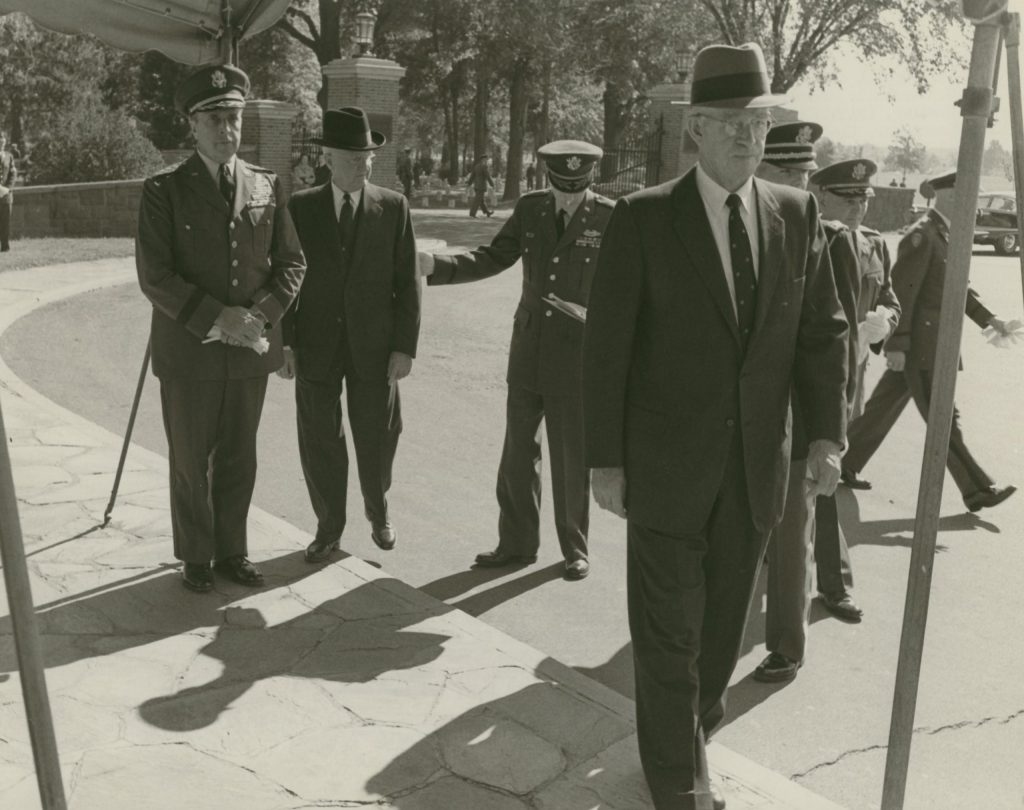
(847, 178)
(791, 145)
(944, 180)
(213, 87)
(569, 163)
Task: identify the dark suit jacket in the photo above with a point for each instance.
(371, 299)
(665, 382)
(195, 255)
(546, 344)
(917, 279)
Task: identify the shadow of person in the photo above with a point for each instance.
(138, 610)
(538, 745)
(479, 603)
(461, 581)
(615, 673)
(352, 638)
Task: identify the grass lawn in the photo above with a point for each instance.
(25, 253)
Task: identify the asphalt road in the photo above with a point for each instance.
(828, 729)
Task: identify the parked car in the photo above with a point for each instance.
(996, 221)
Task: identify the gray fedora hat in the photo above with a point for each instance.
(732, 76)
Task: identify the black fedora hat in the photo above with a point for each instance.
(349, 128)
(731, 76)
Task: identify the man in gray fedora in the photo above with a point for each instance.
(355, 324)
(713, 301)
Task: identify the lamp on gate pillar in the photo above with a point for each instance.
(365, 22)
(684, 58)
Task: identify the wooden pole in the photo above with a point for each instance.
(975, 107)
(26, 640)
(1011, 32)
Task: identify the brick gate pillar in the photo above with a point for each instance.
(267, 136)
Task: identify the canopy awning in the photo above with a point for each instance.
(188, 31)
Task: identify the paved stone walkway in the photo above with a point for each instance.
(333, 686)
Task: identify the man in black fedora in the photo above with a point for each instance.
(218, 258)
(355, 324)
(713, 302)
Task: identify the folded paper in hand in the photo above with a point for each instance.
(260, 346)
(873, 328)
(998, 339)
(567, 307)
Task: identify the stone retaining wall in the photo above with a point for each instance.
(108, 208)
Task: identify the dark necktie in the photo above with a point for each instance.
(745, 281)
(345, 220)
(561, 218)
(227, 184)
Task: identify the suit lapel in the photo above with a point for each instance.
(694, 232)
(199, 179)
(367, 221)
(772, 245)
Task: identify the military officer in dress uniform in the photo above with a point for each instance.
(917, 279)
(557, 234)
(219, 259)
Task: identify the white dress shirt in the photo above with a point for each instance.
(339, 200)
(214, 167)
(714, 197)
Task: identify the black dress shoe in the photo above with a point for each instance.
(497, 559)
(853, 481)
(842, 606)
(987, 498)
(320, 549)
(197, 577)
(776, 668)
(239, 569)
(577, 569)
(384, 535)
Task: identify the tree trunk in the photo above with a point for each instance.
(616, 116)
(518, 99)
(481, 103)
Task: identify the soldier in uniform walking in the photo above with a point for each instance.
(557, 234)
(917, 279)
(219, 259)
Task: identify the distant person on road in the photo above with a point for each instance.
(8, 177)
(531, 175)
(557, 234)
(917, 280)
(354, 325)
(713, 305)
(479, 181)
(218, 257)
(405, 172)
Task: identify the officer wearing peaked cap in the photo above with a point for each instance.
(789, 153)
(918, 279)
(218, 258)
(557, 233)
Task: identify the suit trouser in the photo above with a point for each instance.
(5, 225)
(831, 553)
(211, 442)
(519, 473)
(894, 390)
(479, 202)
(375, 417)
(688, 597)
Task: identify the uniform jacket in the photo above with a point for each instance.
(480, 178)
(875, 289)
(8, 176)
(665, 381)
(372, 299)
(917, 280)
(195, 255)
(547, 344)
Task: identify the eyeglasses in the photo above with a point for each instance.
(757, 126)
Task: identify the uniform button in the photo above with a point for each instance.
(231, 225)
(234, 244)
(234, 282)
(552, 277)
(587, 260)
(548, 313)
(730, 423)
(554, 260)
(339, 320)
(234, 263)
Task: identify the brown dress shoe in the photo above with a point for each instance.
(321, 547)
(197, 577)
(240, 570)
(384, 535)
(499, 559)
(577, 569)
(776, 668)
(842, 606)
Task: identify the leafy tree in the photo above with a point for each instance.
(906, 153)
(799, 36)
(997, 161)
(91, 142)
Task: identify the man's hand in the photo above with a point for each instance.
(609, 485)
(424, 264)
(823, 467)
(897, 361)
(399, 365)
(287, 371)
(1000, 326)
(239, 323)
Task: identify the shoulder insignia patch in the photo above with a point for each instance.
(916, 238)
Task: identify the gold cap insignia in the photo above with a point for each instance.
(218, 79)
(573, 163)
(804, 135)
(859, 170)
